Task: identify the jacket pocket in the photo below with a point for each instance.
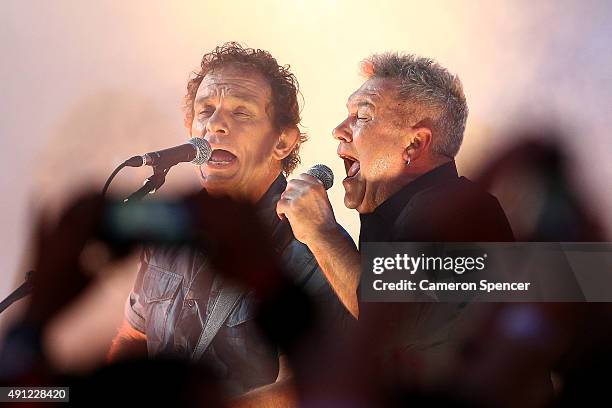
(159, 285)
(160, 291)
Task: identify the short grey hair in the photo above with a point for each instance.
(433, 97)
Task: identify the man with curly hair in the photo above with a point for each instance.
(245, 105)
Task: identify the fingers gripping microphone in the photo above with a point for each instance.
(322, 173)
(196, 151)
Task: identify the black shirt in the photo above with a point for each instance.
(438, 206)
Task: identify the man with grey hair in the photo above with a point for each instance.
(404, 127)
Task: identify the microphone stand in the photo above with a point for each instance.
(151, 185)
(22, 291)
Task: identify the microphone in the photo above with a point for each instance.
(322, 173)
(196, 151)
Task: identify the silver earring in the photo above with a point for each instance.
(408, 161)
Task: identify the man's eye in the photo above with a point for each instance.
(206, 112)
(241, 114)
(363, 118)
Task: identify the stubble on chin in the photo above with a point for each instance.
(349, 202)
(354, 195)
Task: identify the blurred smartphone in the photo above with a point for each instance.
(146, 222)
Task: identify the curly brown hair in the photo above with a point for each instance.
(285, 109)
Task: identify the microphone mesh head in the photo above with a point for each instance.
(323, 174)
(203, 149)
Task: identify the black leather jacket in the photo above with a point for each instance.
(175, 288)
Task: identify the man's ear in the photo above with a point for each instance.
(417, 144)
(286, 143)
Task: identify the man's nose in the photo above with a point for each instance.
(216, 123)
(343, 132)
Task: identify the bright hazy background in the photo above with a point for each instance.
(86, 84)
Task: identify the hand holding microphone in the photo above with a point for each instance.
(306, 205)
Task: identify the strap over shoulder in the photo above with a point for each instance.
(219, 312)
